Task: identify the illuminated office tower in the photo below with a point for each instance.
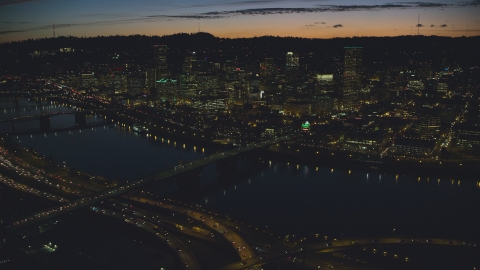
(187, 63)
(160, 54)
(352, 77)
(292, 62)
(87, 79)
(267, 67)
(429, 124)
(150, 77)
(118, 80)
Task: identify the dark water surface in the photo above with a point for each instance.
(285, 197)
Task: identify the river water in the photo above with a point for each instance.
(280, 197)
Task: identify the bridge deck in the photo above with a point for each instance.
(119, 190)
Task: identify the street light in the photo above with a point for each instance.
(393, 231)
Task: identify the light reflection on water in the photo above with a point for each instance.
(302, 201)
(293, 199)
(110, 152)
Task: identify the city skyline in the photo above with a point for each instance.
(190, 151)
(23, 19)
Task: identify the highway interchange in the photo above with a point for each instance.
(73, 194)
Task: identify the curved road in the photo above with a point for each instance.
(274, 256)
(241, 247)
(186, 257)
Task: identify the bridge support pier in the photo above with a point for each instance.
(44, 123)
(81, 119)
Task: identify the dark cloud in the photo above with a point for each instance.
(10, 32)
(238, 3)
(317, 8)
(443, 25)
(14, 22)
(12, 2)
(423, 4)
(254, 11)
(470, 3)
(326, 8)
(419, 25)
(195, 17)
(57, 26)
(249, 2)
(273, 11)
(432, 25)
(43, 27)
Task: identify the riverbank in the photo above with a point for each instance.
(36, 160)
(346, 160)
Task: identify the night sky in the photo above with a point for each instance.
(22, 19)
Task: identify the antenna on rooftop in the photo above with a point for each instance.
(418, 25)
(53, 25)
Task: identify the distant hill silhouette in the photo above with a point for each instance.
(249, 51)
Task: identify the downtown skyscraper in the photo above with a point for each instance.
(161, 68)
(292, 62)
(352, 77)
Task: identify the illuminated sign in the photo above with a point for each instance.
(306, 126)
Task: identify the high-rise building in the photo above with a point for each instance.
(118, 80)
(229, 66)
(150, 77)
(352, 77)
(267, 67)
(442, 87)
(87, 79)
(429, 124)
(161, 68)
(187, 63)
(134, 84)
(292, 62)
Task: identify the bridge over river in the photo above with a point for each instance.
(44, 119)
(119, 190)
